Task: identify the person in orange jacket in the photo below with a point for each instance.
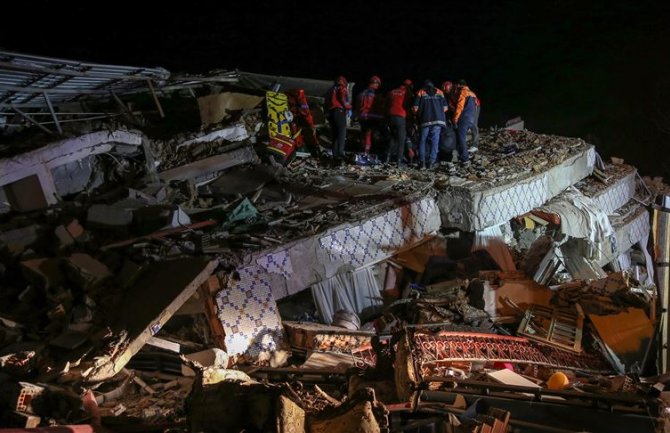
(302, 116)
(367, 111)
(464, 117)
(338, 105)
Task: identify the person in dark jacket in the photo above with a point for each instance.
(338, 104)
(398, 104)
(464, 118)
(448, 135)
(430, 107)
(367, 111)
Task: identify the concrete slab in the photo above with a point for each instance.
(478, 205)
(248, 311)
(616, 193)
(199, 170)
(40, 162)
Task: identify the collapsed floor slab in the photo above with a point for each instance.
(618, 190)
(16, 172)
(631, 226)
(248, 310)
(477, 205)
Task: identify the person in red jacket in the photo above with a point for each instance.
(302, 116)
(367, 111)
(338, 104)
(398, 105)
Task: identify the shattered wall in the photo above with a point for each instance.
(45, 162)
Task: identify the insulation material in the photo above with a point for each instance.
(474, 208)
(249, 314)
(581, 219)
(215, 108)
(350, 291)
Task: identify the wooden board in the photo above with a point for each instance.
(146, 306)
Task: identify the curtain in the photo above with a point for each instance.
(351, 291)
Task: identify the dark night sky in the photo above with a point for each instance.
(596, 68)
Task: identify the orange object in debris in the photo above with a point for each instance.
(558, 380)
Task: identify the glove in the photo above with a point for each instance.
(350, 114)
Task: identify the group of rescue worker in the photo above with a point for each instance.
(441, 118)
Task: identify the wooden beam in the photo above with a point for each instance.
(33, 121)
(53, 113)
(164, 344)
(153, 93)
(124, 107)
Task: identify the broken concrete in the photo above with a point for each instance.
(40, 162)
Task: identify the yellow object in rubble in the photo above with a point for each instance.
(558, 380)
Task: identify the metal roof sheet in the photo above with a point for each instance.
(26, 79)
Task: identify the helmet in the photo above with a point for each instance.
(408, 83)
(375, 80)
(428, 84)
(447, 86)
(341, 80)
(462, 82)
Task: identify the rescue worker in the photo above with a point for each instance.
(475, 125)
(449, 94)
(398, 104)
(464, 117)
(302, 116)
(448, 135)
(367, 112)
(338, 105)
(430, 107)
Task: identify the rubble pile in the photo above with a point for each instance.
(199, 282)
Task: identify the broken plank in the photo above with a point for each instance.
(164, 344)
(157, 294)
(212, 164)
(160, 234)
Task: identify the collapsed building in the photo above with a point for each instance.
(160, 268)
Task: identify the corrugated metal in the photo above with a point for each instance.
(24, 78)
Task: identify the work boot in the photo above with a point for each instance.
(423, 165)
